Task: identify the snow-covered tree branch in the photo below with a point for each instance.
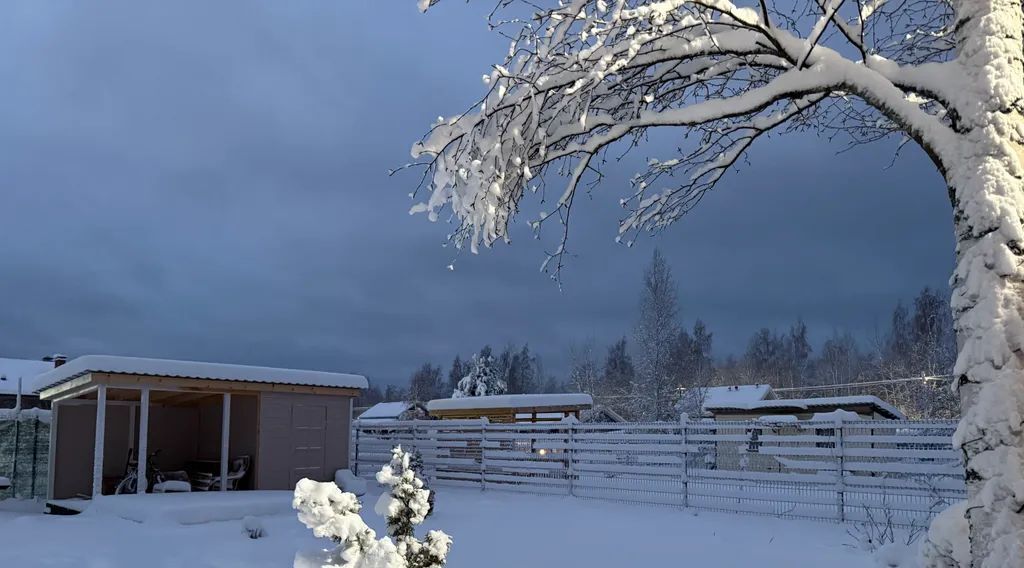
(584, 76)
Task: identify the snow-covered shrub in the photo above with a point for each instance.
(482, 380)
(253, 527)
(331, 513)
(416, 463)
(947, 544)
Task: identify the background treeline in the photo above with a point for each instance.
(657, 368)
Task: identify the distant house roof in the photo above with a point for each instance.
(601, 413)
(25, 369)
(812, 405)
(511, 401)
(193, 370)
(735, 394)
(386, 411)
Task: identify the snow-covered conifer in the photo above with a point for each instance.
(405, 506)
(481, 380)
(331, 513)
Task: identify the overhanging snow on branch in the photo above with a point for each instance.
(586, 75)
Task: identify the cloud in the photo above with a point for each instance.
(210, 181)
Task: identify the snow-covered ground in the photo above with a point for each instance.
(492, 529)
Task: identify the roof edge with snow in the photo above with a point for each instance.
(811, 403)
(511, 401)
(193, 370)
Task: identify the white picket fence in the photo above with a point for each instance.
(903, 471)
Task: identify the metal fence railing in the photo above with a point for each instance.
(857, 470)
(24, 452)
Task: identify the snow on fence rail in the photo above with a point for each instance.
(845, 471)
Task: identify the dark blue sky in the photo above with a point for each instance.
(209, 181)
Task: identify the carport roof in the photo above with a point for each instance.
(193, 370)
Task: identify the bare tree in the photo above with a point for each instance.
(656, 331)
(426, 384)
(582, 75)
(584, 374)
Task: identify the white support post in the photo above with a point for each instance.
(355, 451)
(225, 435)
(570, 457)
(840, 474)
(483, 450)
(415, 439)
(97, 448)
(684, 419)
(52, 452)
(140, 487)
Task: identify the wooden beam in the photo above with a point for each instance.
(73, 394)
(117, 380)
(177, 398)
(53, 392)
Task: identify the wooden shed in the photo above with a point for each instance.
(509, 408)
(865, 406)
(286, 423)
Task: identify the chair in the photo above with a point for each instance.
(210, 482)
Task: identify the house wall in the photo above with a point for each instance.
(173, 430)
(27, 401)
(301, 435)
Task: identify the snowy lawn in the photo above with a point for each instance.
(492, 529)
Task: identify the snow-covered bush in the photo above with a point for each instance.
(331, 513)
(482, 380)
(947, 544)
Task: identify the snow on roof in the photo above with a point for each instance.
(511, 401)
(194, 370)
(837, 414)
(812, 403)
(385, 411)
(717, 396)
(25, 369)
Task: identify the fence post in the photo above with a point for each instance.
(570, 455)
(17, 442)
(840, 482)
(483, 450)
(684, 418)
(355, 451)
(35, 453)
(415, 440)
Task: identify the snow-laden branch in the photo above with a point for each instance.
(588, 74)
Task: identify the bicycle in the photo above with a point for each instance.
(130, 482)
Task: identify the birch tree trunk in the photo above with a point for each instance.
(988, 295)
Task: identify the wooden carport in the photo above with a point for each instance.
(144, 384)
